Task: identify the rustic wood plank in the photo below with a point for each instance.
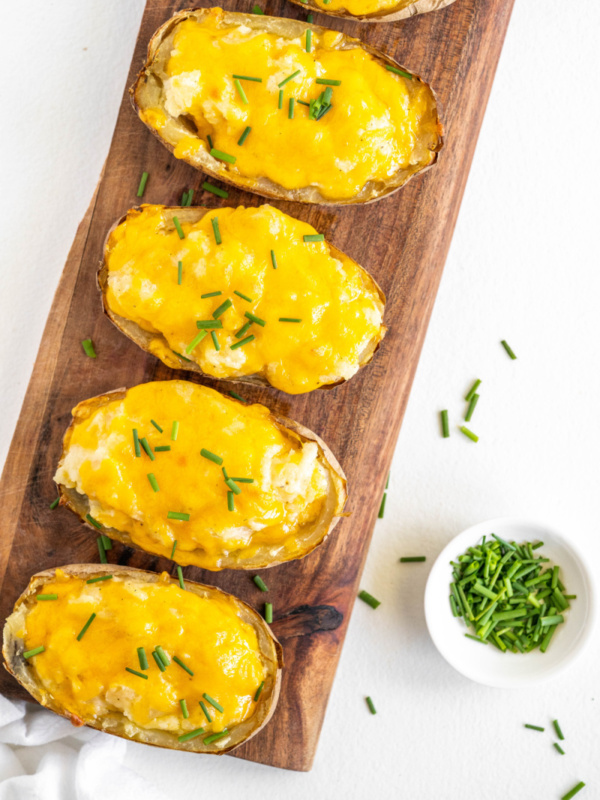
(402, 240)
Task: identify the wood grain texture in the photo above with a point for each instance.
(402, 240)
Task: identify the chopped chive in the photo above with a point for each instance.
(135, 672)
(221, 156)
(259, 691)
(218, 312)
(54, 503)
(253, 318)
(106, 542)
(174, 431)
(559, 748)
(173, 550)
(243, 296)
(157, 426)
(260, 583)
(273, 259)
(205, 324)
(162, 655)
(180, 578)
(183, 666)
(179, 272)
(195, 341)
(101, 551)
(327, 82)
(215, 736)
(291, 105)
(189, 198)
(183, 358)
(555, 619)
(94, 522)
(216, 231)
(534, 728)
(142, 658)
(153, 481)
(180, 515)
(46, 597)
(230, 502)
(237, 397)
(381, 513)
(471, 408)
(244, 99)
(184, 197)
(308, 40)
(289, 319)
(508, 349)
(233, 486)
(81, 633)
(205, 710)
(469, 434)
(99, 578)
(208, 187)
(162, 448)
(314, 237)
(211, 456)
(210, 294)
(147, 448)
(289, 78)
(136, 443)
(88, 347)
(575, 790)
(213, 702)
(559, 733)
(243, 480)
(178, 228)
(369, 599)
(210, 142)
(191, 735)
(184, 709)
(34, 652)
(399, 72)
(280, 101)
(244, 135)
(269, 613)
(445, 426)
(256, 9)
(243, 330)
(412, 559)
(215, 341)
(142, 185)
(242, 342)
(247, 78)
(310, 18)
(472, 390)
(371, 705)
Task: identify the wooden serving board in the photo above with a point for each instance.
(403, 240)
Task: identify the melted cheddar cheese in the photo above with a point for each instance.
(376, 125)
(361, 8)
(88, 677)
(289, 488)
(338, 306)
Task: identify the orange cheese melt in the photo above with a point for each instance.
(363, 7)
(289, 489)
(338, 305)
(88, 677)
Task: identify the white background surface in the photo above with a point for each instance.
(523, 266)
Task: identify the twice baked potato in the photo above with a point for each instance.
(286, 109)
(136, 654)
(373, 10)
(180, 470)
(242, 294)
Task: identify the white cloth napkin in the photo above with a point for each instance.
(43, 757)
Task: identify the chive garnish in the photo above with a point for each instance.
(371, 705)
(173, 550)
(260, 583)
(445, 426)
(242, 342)
(183, 358)
(508, 349)
(153, 481)
(471, 408)
(289, 78)
(46, 597)
(101, 551)
(180, 515)
(257, 10)
(534, 728)
(243, 296)
(269, 613)
(147, 448)
(81, 633)
(208, 187)
(184, 709)
(99, 578)
(253, 318)
(180, 578)
(399, 72)
(106, 542)
(575, 790)
(142, 658)
(162, 655)
(184, 198)
(205, 324)
(559, 732)
(210, 294)
(158, 661)
(211, 456)
(135, 672)
(472, 390)
(559, 748)
(289, 319)
(230, 501)
(221, 156)
(412, 559)
(244, 135)
(191, 735)
(178, 228)
(218, 312)
(238, 397)
(314, 237)
(179, 272)
(94, 522)
(205, 710)
(88, 347)
(136, 444)
(54, 503)
(243, 480)
(328, 82)
(273, 259)
(369, 599)
(34, 652)
(308, 40)
(280, 101)
(469, 434)
(291, 105)
(162, 448)
(233, 486)
(216, 231)
(210, 143)
(174, 431)
(310, 19)
(180, 663)
(259, 691)
(248, 78)
(216, 344)
(156, 425)
(142, 185)
(213, 702)
(243, 98)
(215, 736)
(195, 341)
(381, 512)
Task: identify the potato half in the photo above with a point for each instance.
(180, 470)
(374, 10)
(286, 109)
(214, 644)
(276, 309)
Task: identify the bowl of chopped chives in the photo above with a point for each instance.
(510, 602)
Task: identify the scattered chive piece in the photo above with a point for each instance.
(211, 456)
(289, 319)
(195, 341)
(472, 390)
(308, 40)
(273, 259)
(162, 448)
(157, 426)
(233, 486)
(36, 651)
(243, 296)
(248, 78)
(173, 550)
(280, 102)
(136, 443)
(180, 578)
(54, 503)
(244, 99)
(208, 187)
(230, 502)
(85, 627)
(253, 318)
(243, 480)
(191, 735)
(243, 330)
(180, 663)
(237, 397)
(369, 599)
(184, 197)
(88, 346)
(508, 349)
(180, 356)
(210, 294)
(445, 426)
(244, 135)
(221, 156)
(135, 672)
(314, 237)
(142, 658)
(309, 19)
(218, 312)
(260, 583)
(184, 709)
(210, 141)
(174, 431)
(575, 790)
(256, 9)
(291, 108)
(215, 341)
(99, 578)
(178, 228)
(387, 483)
(213, 702)
(371, 705)
(46, 597)
(180, 515)
(205, 710)
(381, 513)
(162, 655)
(289, 78)
(216, 231)
(147, 448)
(205, 324)
(215, 736)
(142, 186)
(412, 559)
(559, 733)
(469, 434)
(101, 551)
(399, 72)
(106, 542)
(190, 195)
(259, 691)
(473, 402)
(269, 613)
(559, 748)
(535, 728)
(153, 481)
(327, 82)
(242, 342)
(179, 272)
(94, 522)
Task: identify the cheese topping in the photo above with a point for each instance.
(379, 122)
(88, 677)
(361, 8)
(338, 305)
(288, 491)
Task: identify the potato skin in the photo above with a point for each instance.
(142, 338)
(387, 15)
(116, 723)
(316, 535)
(146, 88)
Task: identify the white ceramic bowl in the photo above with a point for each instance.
(488, 665)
